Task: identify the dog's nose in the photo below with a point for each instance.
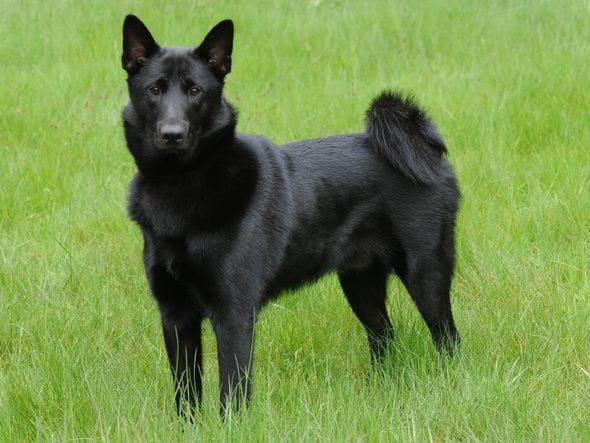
(172, 133)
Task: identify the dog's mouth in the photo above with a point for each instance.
(177, 152)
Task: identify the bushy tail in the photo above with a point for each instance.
(404, 136)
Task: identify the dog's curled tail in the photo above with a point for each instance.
(405, 137)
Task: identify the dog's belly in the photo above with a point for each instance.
(356, 241)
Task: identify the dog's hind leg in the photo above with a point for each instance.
(366, 293)
(428, 280)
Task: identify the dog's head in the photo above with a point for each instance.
(175, 93)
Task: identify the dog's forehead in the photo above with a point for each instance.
(181, 62)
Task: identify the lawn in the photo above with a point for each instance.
(81, 352)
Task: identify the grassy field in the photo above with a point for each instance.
(81, 353)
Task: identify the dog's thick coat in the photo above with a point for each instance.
(230, 220)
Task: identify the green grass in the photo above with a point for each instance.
(81, 353)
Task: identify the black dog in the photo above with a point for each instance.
(230, 220)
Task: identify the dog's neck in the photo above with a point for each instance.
(222, 130)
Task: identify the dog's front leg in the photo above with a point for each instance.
(181, 325)
(183, 344)
(235, 335)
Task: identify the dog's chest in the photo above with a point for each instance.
(168, 213)
(192, 262)
(173, 254)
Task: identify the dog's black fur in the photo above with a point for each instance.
(229, 220)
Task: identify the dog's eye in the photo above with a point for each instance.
(155, 90)
(194, 91)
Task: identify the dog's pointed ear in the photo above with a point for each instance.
(138, 44)
(217, 47)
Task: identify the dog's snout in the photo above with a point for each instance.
(172, 134)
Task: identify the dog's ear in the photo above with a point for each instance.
(217, 47)
(138, 44)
